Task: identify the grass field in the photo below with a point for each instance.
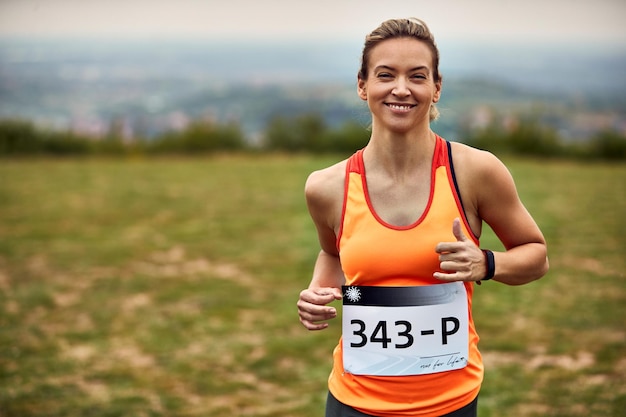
(167, 287)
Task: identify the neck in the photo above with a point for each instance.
(399, 154)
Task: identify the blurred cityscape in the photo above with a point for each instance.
(147, 88)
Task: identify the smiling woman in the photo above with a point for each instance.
(399, 224)
(404, 81)
(429, 69)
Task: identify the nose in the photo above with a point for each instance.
(401, 88)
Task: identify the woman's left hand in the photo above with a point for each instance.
(463, 259)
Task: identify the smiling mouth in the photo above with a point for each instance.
(402, 107)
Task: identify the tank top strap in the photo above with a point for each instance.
(355, 163)
(441, 152)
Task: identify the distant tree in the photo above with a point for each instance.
(279, 135)
(201, 136)
(609, 145)
(19, 137)
(301, 133)
(529, 137)
(348, 138)
(65, 143)
(491, 138)
(311, 128)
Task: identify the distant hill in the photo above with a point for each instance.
(155, 86)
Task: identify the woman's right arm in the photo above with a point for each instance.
(325, 287)
(324, 197)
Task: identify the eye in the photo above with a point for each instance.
(384, 75)
(419, 76)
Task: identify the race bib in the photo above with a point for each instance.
(394, 331)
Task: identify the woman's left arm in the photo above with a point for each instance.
(489, 194)
(498, 204)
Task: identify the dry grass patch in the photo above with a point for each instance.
(168, 288)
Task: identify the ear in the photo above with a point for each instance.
(362, 91)
(437, 94)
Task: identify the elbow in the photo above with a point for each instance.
(541, 270)
(540, 263)
(534, 271)
(545, 267)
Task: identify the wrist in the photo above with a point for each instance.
(490, 265)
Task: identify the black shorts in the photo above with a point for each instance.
(334, 408)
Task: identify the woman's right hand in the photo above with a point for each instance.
(312, 307)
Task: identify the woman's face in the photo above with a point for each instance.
(400, 87)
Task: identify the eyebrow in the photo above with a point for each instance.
(419, 68)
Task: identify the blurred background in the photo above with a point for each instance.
(153, 232)
(138, 69)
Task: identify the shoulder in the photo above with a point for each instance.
(479, 171)
(324, 191)
(326, 183)
(484, 180)
(475, 161)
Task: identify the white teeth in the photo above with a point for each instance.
(398, 107)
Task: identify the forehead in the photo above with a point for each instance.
(400, 52)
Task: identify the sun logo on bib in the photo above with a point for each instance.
(353, 294)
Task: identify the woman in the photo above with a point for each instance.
(399, 225)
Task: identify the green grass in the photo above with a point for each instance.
(167, 287)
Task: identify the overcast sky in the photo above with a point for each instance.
(601, 20)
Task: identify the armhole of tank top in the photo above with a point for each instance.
(351, 166)
(457, 191)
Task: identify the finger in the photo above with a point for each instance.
(315, 318)
(320, 296)
(333, 292)
(314, 312)
(458, 231)
(442, 276)
(446, 277)
(450, 256)
(449, 266)
(338, 294)
(313, 326)
(330, 291)
(448, 247)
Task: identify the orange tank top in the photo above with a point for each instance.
(375, 253)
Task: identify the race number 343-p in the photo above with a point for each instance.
(405, 330)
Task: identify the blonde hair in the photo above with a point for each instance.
(402, 28)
